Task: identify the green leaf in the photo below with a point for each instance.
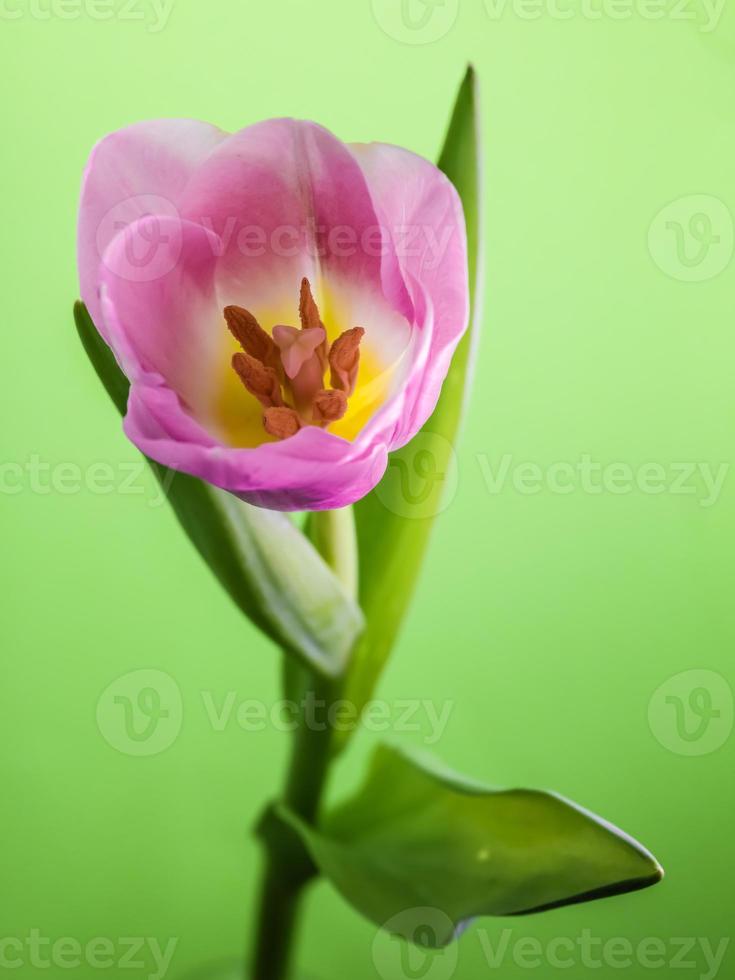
(265, 563)
(420, 850)
(392, 527)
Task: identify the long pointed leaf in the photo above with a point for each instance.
(392, 542)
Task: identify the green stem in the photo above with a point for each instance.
(279, 903)
(283, 884)
(333, 535)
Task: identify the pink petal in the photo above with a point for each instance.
(169, 327)
(312, 470)
(141, 169)
(288, 200)
(422, 209)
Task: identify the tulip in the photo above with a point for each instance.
(284, 305)
(285, 308)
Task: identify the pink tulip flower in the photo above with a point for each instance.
(285, 305)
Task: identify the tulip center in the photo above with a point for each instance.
(285, 370)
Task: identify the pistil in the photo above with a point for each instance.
(301, 361)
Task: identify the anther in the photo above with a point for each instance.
(308, 310)
(329, 406)
(259, 380)
(250, 335)
(344, 360)
(281, 422)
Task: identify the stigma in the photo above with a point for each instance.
(285, 370)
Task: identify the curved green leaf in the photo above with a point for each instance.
(420, 850)
(265, 563)
(392, 530)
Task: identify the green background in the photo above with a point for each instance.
(547, 620)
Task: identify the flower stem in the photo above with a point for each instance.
(333, 535)
(283, 884)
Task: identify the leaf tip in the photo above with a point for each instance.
(80, 312)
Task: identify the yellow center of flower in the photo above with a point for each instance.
(314, 374)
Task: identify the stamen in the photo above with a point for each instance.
(252, 338)
(260, 380)
(285, 372)
(329, 406)
(311, 318)
(281, 422)
(308, 310)
(344, 360)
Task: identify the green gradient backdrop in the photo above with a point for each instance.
(548, 620)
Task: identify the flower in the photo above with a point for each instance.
(285, 305)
